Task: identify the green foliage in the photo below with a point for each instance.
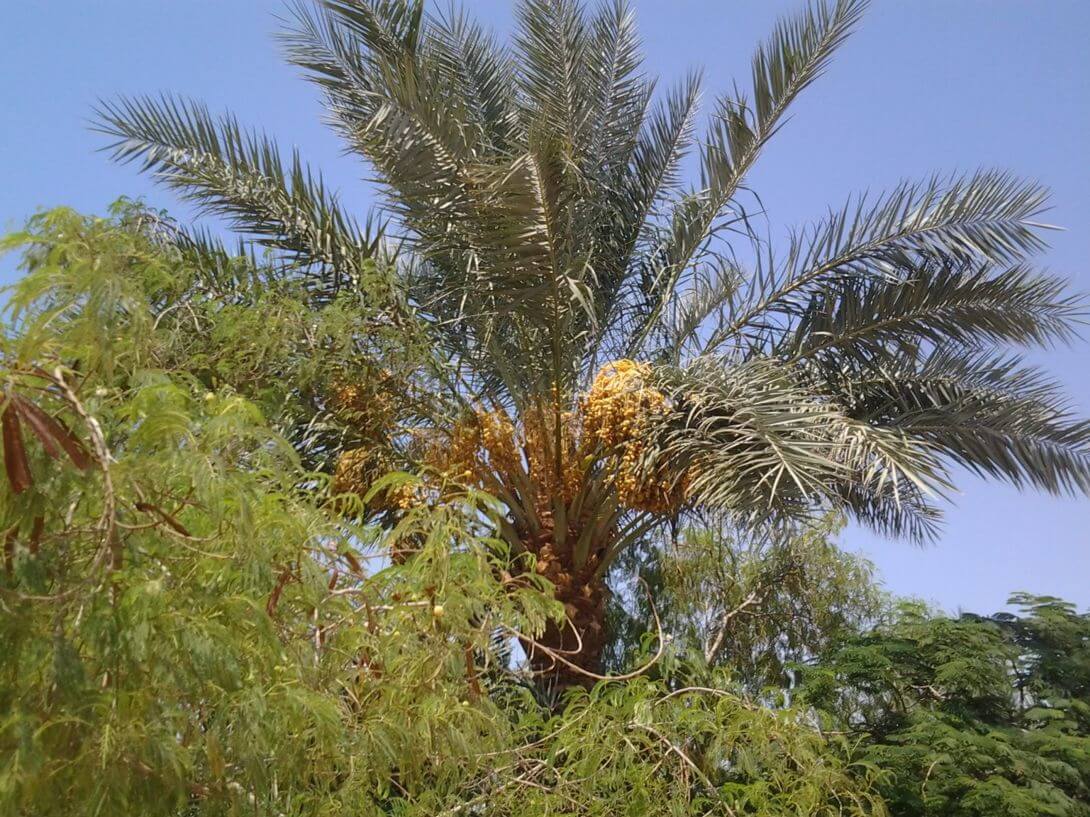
(189, 629)
(969, 716)
(229, 322)
(752, 604)
(182, 622)
(641, 748)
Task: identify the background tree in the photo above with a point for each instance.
(972, 715)
(754, 605)
(617, 347)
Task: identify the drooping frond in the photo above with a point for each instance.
(991, 414)
(755, 440)
(907, 513)
(752, 439)
(987, 216)
(226, 171)
(943, 301)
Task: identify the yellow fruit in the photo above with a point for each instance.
(619, 403)
(369, 404)
(359, 468)
(617, 415)
(608, 429)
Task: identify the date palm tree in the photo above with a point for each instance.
(624, 349)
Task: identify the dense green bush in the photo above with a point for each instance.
(969, 716)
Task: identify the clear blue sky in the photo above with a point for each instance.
(927, 85)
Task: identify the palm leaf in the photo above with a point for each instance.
(755, 440)
(991, 414)
(242, 176)
(943, 301)
(796, 54)
(987, 216)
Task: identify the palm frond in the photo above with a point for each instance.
(243, 177)
(707, 292)
(388, 100)
(335, 62)
(991, 414)
(223, 268)
(229, 271)
(556, 92)
(661, 145)
(620, 98)
(894, 481)
(664, 140)
(795, 55)
(620, 92)
(756, 441)
(391, 28)
(554, 43)
(988, 216)
(908, 514)
(942, 301)
(751, 437)
(481, 74)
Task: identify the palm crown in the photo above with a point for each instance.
(617, 362)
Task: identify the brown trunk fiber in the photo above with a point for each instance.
(579, 640)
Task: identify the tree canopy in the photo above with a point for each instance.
(973, 715)
(615, 348)
(522, 497)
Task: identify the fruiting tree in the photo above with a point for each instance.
(613, 348)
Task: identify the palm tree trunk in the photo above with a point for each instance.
(569, 653)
